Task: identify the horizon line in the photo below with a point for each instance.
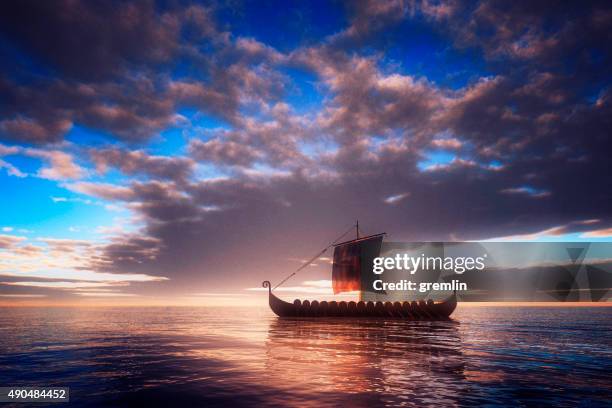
(201, 305)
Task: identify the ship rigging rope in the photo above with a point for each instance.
(314, 258)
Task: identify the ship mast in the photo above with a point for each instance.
(335, 244)
(357, 231)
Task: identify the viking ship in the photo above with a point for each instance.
(347, 276)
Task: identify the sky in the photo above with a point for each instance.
(182, 152)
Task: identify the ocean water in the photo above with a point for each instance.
(248, 357)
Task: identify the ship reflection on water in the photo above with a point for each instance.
(369, 360)
(247, 357)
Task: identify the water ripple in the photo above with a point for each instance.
(246, 357)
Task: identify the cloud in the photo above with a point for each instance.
(367, 17)
(102, 190)
(63, 264)
(10, 169)
(600, 233)
(8, 150)
(61, 34)
(139, 162)
(227, 153)
(252, 49)
(118, 79)
(547, 233)
(61, 165)
(367, 101)
(31, 131)
(59, 284)
(105, 294)
(449, 143)
(526, 190)
(527, 31)
(9, 241)
(439, 10)
(581, 226)
(396, 198)
(21, 295)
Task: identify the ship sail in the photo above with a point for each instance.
(349, 259)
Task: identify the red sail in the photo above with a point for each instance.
(349, 260)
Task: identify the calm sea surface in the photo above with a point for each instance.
(245, 357)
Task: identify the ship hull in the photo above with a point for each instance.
(400, 310)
